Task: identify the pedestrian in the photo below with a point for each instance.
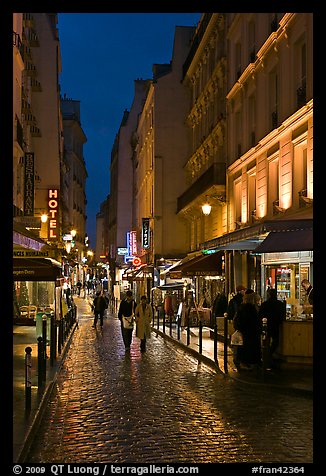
(99, 306)
(235, 302)
(248, 323)
(127, 310)
(307, 306)
(275, 312)
(79, 285)
(143, 317)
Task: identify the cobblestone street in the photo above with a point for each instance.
(162, 406)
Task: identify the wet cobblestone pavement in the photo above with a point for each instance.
(162, 406)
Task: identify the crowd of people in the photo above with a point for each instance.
(247, 311)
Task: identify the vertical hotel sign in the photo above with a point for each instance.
(145, 233)
(53, 205)
(29, 184)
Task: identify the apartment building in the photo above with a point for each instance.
(37, 134)
(120, 218)
(74, 176)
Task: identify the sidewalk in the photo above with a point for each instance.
(287, 379)
(25, 422)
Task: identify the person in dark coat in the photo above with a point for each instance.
(127, 309)
(235, 302)
(247, 322)
(99, 306)
(275, 312)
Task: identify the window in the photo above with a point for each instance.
(273, 184)
(300, 175)
(252, 120)
(238, 67)
(251, 42)
(251, 204)
(273, 87)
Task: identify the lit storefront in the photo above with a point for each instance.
(37, 287)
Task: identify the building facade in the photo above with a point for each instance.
(73, 180)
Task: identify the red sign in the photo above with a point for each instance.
(136, 261)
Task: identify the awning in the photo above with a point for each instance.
(36, 269)
(170, 286)
(139, 273)
(245, 238)
(203, 265)
(297, 240)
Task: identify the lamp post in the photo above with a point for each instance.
(44, 226)
(206, 209)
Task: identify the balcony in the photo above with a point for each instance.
(36, 85)
(276, 208)
(303, 199)
(196, 41)
(215, 175)
(19, 134)
(30, 69)
(35, 131)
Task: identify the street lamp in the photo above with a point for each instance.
(206, 209)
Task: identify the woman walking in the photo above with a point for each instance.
(143, 315)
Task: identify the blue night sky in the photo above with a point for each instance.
(102, 54)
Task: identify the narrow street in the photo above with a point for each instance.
(162, 406)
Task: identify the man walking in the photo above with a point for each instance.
(99, 306)
(126, 315)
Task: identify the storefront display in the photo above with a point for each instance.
(285, 272)
(35, 289)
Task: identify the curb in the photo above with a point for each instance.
(28, 440)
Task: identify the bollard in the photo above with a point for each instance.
(188, 330)
(52, 340)
(179, 326)
(28, 378)
(163, 322)
(215, 342)
(200, 336)
(44, 333)
(40, 365)
(264, 345)
(60, 336)
(225, 342)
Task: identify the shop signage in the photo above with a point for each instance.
(175, 274)
(30, 254)
(136, 261)
(145, 233)
(132, 243)
(53, 204)
(29, 184)
(122, 251)
(283, 270)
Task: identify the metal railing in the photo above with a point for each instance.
(54, 335)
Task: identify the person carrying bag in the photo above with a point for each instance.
(126, 316)
(144, 317)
